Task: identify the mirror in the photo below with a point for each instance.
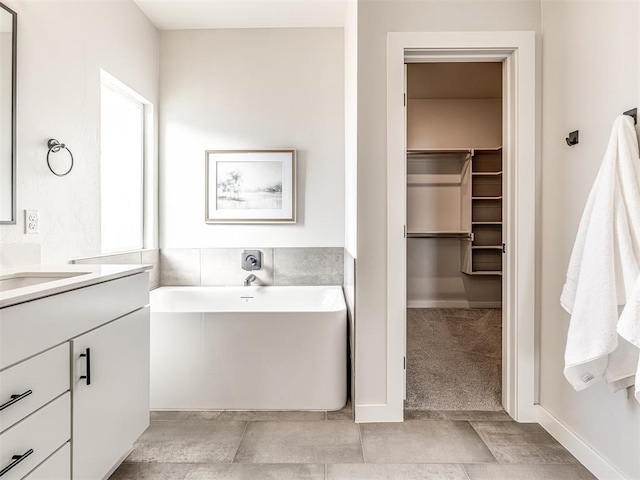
(8, 21)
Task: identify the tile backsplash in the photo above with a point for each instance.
(308, 266)
(221, 266)
(281, 266)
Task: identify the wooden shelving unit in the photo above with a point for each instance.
(466, 186)
(485, 250)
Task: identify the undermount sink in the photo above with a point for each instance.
(27, 279)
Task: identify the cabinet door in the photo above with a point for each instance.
(111, 408)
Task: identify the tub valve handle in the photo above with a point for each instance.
(251, 260)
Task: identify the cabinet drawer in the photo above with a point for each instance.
(46, 376)
(41, 434)
(56, 467)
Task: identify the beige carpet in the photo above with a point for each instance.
(454, 359)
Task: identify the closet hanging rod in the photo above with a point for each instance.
(436, 151)
(461, 235)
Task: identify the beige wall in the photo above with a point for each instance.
(590, 76)
(375, 19)
(62, 45)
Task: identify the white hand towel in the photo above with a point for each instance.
(604, 267)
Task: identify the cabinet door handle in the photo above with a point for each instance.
(14, 399)
(16, 460)
(87, 354)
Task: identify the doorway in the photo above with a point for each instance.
(454, 235)
(516, 51)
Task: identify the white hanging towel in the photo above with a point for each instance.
(604, 270)
(629, 327)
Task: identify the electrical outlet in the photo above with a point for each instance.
(31, 221)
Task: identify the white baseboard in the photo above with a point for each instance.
(451, 304)
(485, 304)
(437, 304)
(377, 413)
(591, 459)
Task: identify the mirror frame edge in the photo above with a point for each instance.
(14, 74)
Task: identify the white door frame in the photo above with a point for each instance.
(517, 51)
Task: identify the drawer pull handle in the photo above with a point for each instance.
(87, 355)
(16, 460)
(14, 399)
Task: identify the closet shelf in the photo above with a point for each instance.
(486, 223)
(486, 272)
(461, 235)
(487, 198)
(486, 247)
(472, 150)
(486, 174)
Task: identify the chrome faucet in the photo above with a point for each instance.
(249, 279)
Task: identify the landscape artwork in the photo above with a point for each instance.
(250, 186)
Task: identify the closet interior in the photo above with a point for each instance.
(454, 235)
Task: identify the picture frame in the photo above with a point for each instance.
(250, 186)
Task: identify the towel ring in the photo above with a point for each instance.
(55, 147)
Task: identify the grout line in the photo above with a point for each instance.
(244, 431)
(464, 470)
(364, 459)
(273, 266)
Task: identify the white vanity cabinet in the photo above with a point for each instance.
(110, 393)
(53, 425)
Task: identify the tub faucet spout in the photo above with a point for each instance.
(249, 279)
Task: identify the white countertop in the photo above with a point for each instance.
(91, 274)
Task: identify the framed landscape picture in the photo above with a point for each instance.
(250, 186)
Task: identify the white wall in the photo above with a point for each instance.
(351, 173)
(590, 75)
(244, 89)
(375, 19)
(61, 47)
(351, 125)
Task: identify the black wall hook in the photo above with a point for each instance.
(572, 139)
(634, 114)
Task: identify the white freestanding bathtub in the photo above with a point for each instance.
(248, 348)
